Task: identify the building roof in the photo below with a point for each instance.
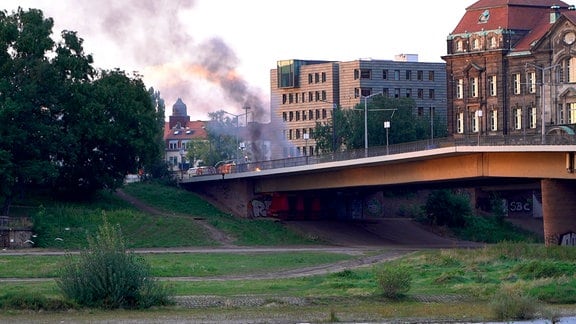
(506, 14)
(191, 130)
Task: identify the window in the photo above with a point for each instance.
(572, 113)
(420, 75)
(385, 92)
(460, 89)
(291, 116)
(474, 87)
(309, 78)
(385, 74)
(284, 98)
(317, 95)
(324, 115)
(516, 85)
(396, 93)
(284, 116)
(459, 46)
(476, 44)
(531, 82)
(303, 96)
(297, 97)
(476, 121)
(493, 120)
(568, 70)
(397, 75)
(492, 42)
(366, 74)
(420, 111)
(533, 117)
(408, 93)
(297, 116)
(317, 114)
(517, 112)
(492, 85)
(290, 134)
(310, 96)
(304, 115)
(356, 74)
(431, 76)
(310, 114)
(323, 77)
(291, 98)
(323, 95)
(408, 75)
(460, 123)
(420, 93)
(297, 133)
(431, 94)
(173, 145)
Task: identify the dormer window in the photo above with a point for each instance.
(476, 44)
(459, 46)
(492, 42)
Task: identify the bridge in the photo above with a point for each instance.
(348, 184)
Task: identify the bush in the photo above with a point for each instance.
(23, 301)
(446, 208)
(105, 276)
(394, 282)
(511, 303)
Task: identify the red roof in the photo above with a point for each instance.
(506, 14)
(192, 130)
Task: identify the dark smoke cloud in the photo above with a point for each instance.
(150, 33)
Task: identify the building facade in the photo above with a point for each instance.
(306, 92)
(178, 132)
(511, 69)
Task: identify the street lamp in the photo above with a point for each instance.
(306, 137)
(387, 127)
(366, 121)
(542, 96)
(479, 119)
(182, 155)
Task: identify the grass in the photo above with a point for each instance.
(450, 284)
(245, 231)
(181, 264)
(66, 225)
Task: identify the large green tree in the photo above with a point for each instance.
(222, 131)
(63, 124)
(345, 130)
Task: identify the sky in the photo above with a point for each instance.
(217, 54)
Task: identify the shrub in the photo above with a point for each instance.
(105, 276)
(446, 208)
(511, 303)
(24, 301)
(394, 281)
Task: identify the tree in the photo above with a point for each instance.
(65, 125)
(222, 136)
(346, 129)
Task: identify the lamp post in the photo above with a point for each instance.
(387, 127)
(431, 126)
(306, 137)
(366, 121)
(182, 155)
(479, 118)
(543, 70)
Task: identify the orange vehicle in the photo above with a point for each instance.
(225, 166)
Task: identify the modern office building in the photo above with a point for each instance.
(304, 92)
(512, 69)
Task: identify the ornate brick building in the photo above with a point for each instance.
(511, 69)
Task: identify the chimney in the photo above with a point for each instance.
(554, 13)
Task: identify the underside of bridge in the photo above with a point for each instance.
(539, 185)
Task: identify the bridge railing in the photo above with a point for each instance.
(465, 140)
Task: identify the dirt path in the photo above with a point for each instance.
(215, 234)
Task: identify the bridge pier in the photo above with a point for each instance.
(559, 209)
